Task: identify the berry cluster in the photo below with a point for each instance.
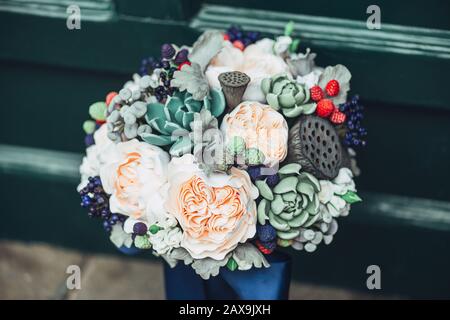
(96, 201)
(241, 39)
(256, 173)
(266, 238)
(355, 135)
(171, 60)
(325, 106)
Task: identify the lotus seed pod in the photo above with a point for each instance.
(233, 86)
(314, 144)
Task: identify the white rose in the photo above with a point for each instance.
(95, 156)
(134, 176)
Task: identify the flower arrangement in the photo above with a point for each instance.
(215, 155)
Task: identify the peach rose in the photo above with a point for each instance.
(258, 61)
(216, 212)
(261, 127)
(134, 175)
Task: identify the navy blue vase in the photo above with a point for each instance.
(182, 283)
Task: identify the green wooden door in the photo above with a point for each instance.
(49, 75)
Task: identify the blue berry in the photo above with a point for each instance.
(255, 172)
(266, 232)
(139, 228)
(273, 180)
(89, 140)
(167, 51)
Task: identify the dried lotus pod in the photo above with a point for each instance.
(233, 87)
(315, 145)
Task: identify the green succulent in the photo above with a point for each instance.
(286, 94)
(171, 123)
(292, 204)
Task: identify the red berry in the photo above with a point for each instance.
(337, 117)
(332, 88)
(262, 248)
(100, 122)
(109, 97)
(324, 108)
(183, 64)
(226, 37)
(316, 93)
(238, 44)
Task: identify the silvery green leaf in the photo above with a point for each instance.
(206, 47)
(307, 177)
(288, 235)
(264, 190)
(310, 247)
(308, 234)
(290, 168)
(144, 128)
(247, 255)
(277, 205)
(299, 220)
(191, 79)
(306, 188)
(278, 223)
(130, 130)
(119, 237)
(263, 211)
(208, 267)
(140, 109)
(286, 185)
(129, 118)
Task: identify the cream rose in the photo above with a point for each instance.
(216, 212)
(134, 176)
(258, 61)
(261, 127)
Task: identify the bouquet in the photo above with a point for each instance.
(216, 154)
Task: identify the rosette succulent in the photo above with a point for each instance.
(171, 123)
(292, 204)
(282, 92)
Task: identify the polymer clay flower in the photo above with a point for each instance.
(216, 212)
(282, 92)
(258, 61)
(261, 127)
(95, 156)
(134, 175)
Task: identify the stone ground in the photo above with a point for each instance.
(38, 271)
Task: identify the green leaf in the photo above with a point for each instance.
(217, 102)
(263, 211)
(294, 46)
(181, 147)
(97, 110)
(293, 112)
(286, 185)
(290, 168)
(232, 264)
(351, 197)
(289, 28)
(264, 189)
(156, 139)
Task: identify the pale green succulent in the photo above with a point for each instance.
(286, 94)
(292, 204)
(171, 123)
